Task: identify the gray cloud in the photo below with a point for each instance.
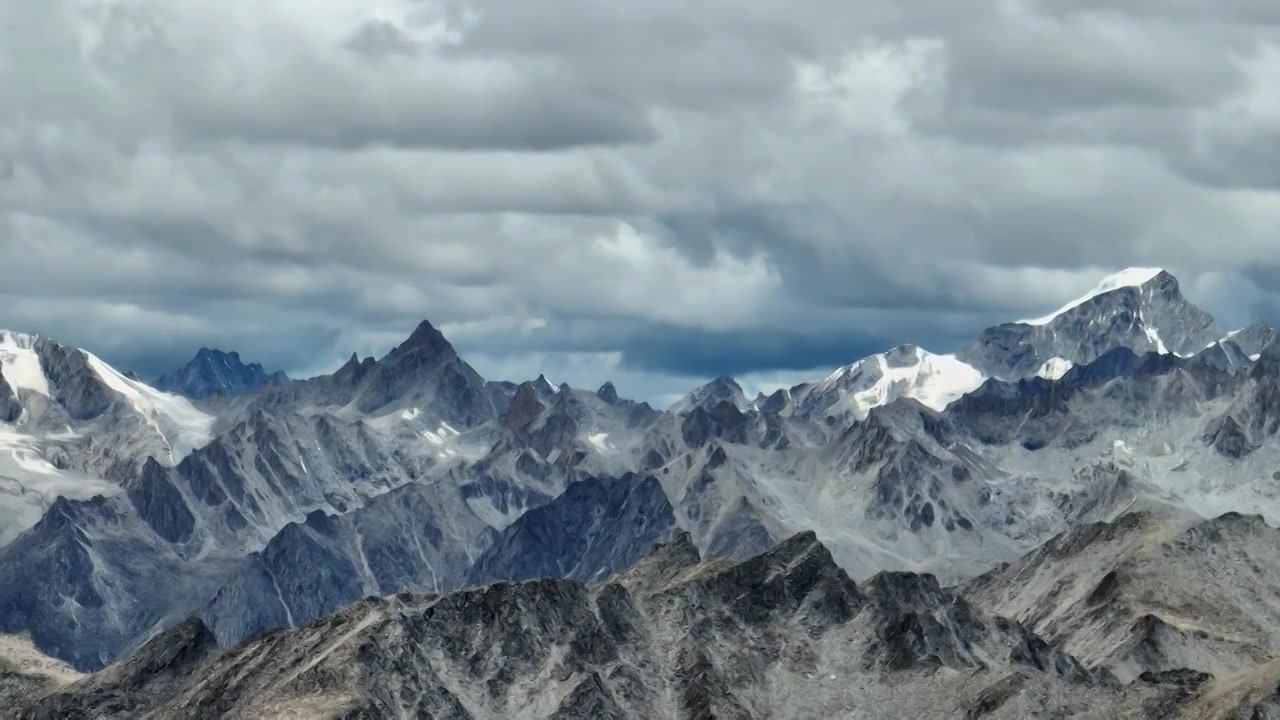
(656, 192)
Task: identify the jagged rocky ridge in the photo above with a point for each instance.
(783, 634)
(214, 372)
(412, 473)
(422, 373)
(424, 538)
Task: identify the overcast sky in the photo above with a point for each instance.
(652, 192)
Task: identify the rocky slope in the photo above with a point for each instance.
(783, 634)
(1149, 594)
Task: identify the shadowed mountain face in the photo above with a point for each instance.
(263, 510)
(214, 372)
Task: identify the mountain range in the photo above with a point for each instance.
(1071, 514)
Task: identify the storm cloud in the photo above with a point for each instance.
(654, 193)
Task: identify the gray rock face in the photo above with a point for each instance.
(160, 505)
(89, 580)
(214, 372)
(1037, 413)
(524, 409)
(783, 634)
(545, 391)
(721, 420)
(598, 527)
(1254, 338)
(1151, 318)
(425, 538)
(608, 393)
(417, 538)
(10, 408)
(741, 532)
(544, 429)
(1253, 419)
(723, 389)
(77, 389)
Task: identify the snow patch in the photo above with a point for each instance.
(1131, 277)
(29, 483)
(183, 426)
(1154, 338)
(20, 365)
(411, 414)
(599, 440)
(441, 435)
(1055, 368)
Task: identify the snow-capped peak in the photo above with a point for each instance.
(935, 381)
(1130, 277)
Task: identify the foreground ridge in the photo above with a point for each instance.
(783, 634)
